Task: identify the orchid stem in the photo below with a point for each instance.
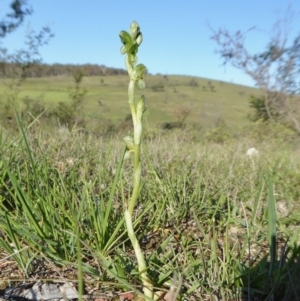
(131, 41)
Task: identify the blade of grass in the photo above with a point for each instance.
(271, 223)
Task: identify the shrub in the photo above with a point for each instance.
(266, 131)
(258, 104)
(220, 134)
(69, 114)
(158, 87)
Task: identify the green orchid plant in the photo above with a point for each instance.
(131, 42)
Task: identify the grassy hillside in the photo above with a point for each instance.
(207, 214)
(169, 98)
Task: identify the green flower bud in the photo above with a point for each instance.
(134, 30)
(127, 154)
(129, 46)
(133, 49)
(123, 49)
(129, 142)
(125, 37)
(139, 39)
(141, 84)
(139, 71)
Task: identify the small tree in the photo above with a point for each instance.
(275, 70)
(69, 114)
(15, 65)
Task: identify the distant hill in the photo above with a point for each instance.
(170, 99)
(44, 70)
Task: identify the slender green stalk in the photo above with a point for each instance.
(131, 41)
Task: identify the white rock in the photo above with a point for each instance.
(252, 152)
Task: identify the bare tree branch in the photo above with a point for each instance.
(274, 70)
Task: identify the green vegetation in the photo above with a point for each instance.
(103, 107)
(204, 219)
(203, 213)
(213, 223)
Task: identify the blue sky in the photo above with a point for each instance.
(176, 32)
